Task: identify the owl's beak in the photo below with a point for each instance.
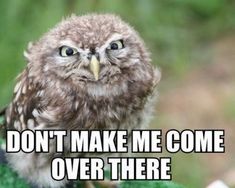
(95, 67)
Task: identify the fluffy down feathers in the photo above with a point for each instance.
(55, 92)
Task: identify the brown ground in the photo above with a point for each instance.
(205, 98)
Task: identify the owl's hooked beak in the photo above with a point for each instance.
(95, 67)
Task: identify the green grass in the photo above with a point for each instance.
(9, 179)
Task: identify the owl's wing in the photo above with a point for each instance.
(33, 106)
(19, 112)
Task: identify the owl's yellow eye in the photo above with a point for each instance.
(116, 45)
(66, 51)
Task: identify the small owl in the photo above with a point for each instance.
(88, 72)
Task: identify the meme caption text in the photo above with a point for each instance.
(90, 151)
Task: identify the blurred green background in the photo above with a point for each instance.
(192, 42)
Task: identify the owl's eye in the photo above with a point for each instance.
(116, 45)
(66, 51)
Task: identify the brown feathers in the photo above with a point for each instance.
(59, 89)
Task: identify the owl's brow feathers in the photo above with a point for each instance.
(69, 42)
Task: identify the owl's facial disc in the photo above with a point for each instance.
(91, 51)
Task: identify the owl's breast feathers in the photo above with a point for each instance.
(40, 104)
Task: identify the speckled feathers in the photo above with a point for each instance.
(55, 92)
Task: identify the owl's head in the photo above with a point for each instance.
(92, 49)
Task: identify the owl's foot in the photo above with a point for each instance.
(102, 184)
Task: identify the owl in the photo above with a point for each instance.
(88, 72)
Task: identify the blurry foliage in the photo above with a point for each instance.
(229, 109)
(172, 29)
(193, 176)
(10, 179)
(175, 31)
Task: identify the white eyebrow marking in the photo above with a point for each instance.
(68, 43)
(114, 37)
